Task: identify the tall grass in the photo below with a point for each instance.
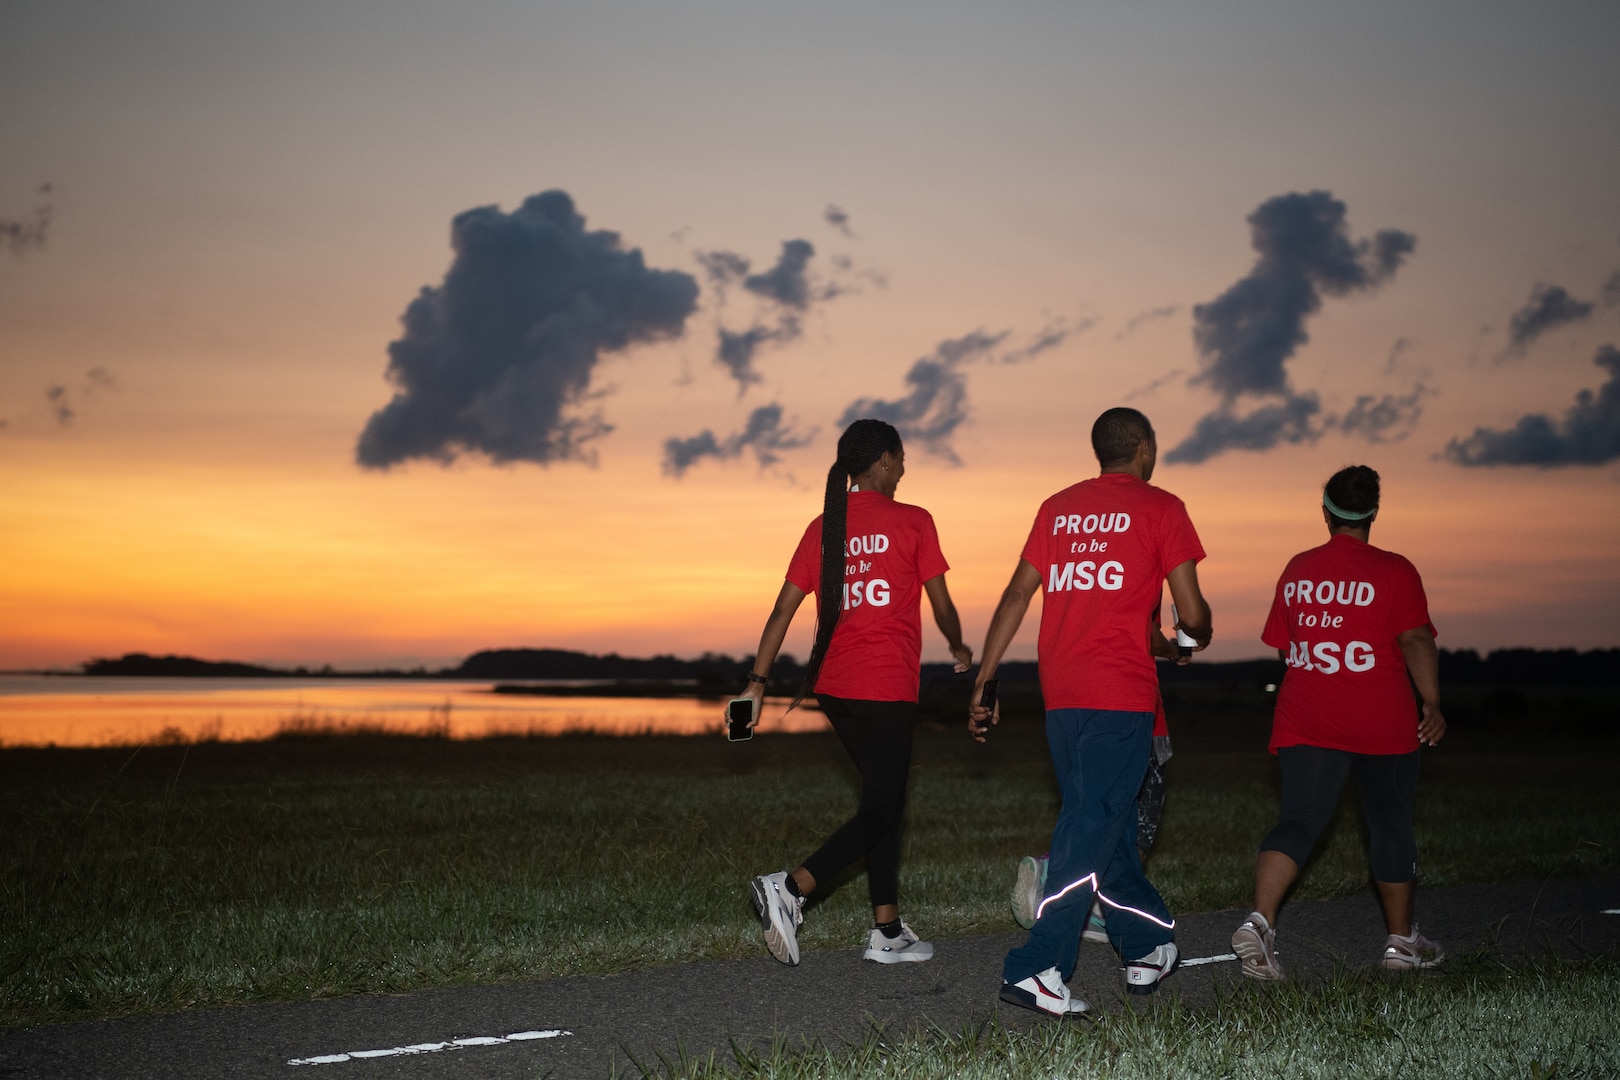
(169, 877)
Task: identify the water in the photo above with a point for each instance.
(107, 711)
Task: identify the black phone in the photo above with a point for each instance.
(987, 696)
(739, 713)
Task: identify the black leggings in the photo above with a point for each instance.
(1312, 779)
(877, 735)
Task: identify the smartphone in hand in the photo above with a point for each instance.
(739, 714)
(987, 700)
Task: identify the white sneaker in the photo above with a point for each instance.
(780, 913)
(1412, 952)
(897, 950)
(1043, 992)
(1029, 889)
(1255, 942)
(1096, 927)
(1143, 976)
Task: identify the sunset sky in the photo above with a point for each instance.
(1298, 236)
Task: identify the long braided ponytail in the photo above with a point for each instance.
(859, 448)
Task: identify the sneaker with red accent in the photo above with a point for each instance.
(1412, 952)
(1142, 976)
(1044, 992)
(1255, 942)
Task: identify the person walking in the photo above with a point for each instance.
(1029, 884)
(1102, 551)
(869, 560)
(1352, 622)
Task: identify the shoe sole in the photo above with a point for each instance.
(1027, 884)
(1252, 960)
(881, 957)
(1094, 933)
(783, 946)
(1415, 964)
(1026, 1000)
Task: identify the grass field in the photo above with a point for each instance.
(1480, 1020)
(171, 877)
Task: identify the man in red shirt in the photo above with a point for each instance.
(1102, 551)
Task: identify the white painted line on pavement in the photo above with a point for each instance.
(1194, 961)
(431, 1048)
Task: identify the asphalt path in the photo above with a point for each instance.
(595, 1026)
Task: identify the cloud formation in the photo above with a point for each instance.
(935, 403)
(1141, 319)
(1246, 336)
(1385, 419)
(1549, 307)
(836, 217)
(496, 358)
(1589, 433)
(786, 292)
(61, 406)
(20, 236)
(764, 434)
(1611, 290)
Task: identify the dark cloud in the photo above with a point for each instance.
(1136, 322)
(836, 217)
(1549, 307)
(722, 267)
(1246, 336)
(1611, 290)
(1050, 337)
(737, 348)
(764, 434)
(786, 291)
(495, 357)
(1290, 421)
(1250, 331)
(936, 403)
(61, 404)
(788, 282)
(1589, 433)
(1385, 419)
(22, 236)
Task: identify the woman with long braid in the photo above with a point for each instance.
(869, 560)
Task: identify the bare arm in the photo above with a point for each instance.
(945, 617)
(1423, 664)
(770, 641)
(1192, 610)
(1160, 646)
(1015, 600)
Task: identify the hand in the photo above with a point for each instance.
(757, 692)
(964, 658)
(980, 719)
(1431, 725)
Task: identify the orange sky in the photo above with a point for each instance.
(243, 203)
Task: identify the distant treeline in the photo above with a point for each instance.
(1464, 667)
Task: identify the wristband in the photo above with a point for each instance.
(762, 680)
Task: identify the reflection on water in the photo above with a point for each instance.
(82, 711)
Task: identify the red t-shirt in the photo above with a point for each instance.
(1338, 611)
(1103, 548)
(892, 548)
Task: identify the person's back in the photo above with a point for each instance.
(1101, 550)
(1104, 548)
(1339, 610)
